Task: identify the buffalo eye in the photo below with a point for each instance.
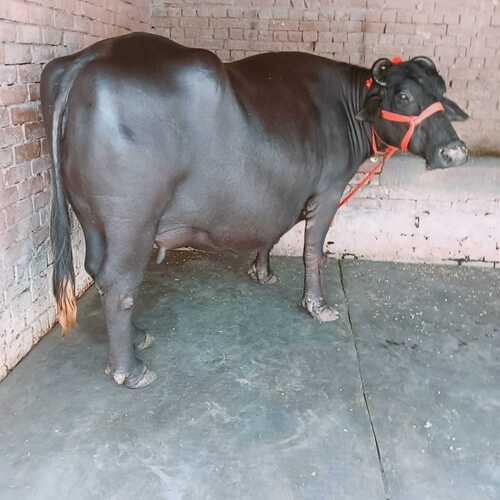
(404, 97)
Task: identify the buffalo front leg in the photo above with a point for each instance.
(260, 270)
(318, 219)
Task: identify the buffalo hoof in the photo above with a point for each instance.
(264, 278)
(140, 377)
(143, 341)
(319, 310)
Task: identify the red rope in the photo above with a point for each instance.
(376, 169)
(412, 122)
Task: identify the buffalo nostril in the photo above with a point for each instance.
(444, 154)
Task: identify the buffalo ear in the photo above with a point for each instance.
(453, 111)
(370, 109)
(379, 70)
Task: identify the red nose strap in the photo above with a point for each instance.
(412, 121)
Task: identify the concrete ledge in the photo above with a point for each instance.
(410, 214)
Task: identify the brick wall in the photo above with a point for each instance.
(32, 33)
(410, 214)
(462, 36)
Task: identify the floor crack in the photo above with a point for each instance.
(363, 385)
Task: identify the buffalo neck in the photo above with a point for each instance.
(359, 131)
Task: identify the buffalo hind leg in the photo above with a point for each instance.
(319, 214)
(119, 279)
(142, 339)
(260, 270)
(94, 256)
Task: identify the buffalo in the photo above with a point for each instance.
(153, 143)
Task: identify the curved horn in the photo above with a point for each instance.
(425, 61)
(379, 70)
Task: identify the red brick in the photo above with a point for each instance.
(25, 113)
(42, 53)
(308, 15)
(10, 136)
(29, 73)
(221, 33)
(173, 12)
(283, 24)
(280, 13)
(310, 36)
(18, 211)
(194, 22)
(64, 20)
(280, 36)
(404, 16)
(17, 54)
(262, 46)
(296, 36)
(388, 16)
(41, 199)
(212, 11)
(42, 16)
(21, 250)
(329, 47)
(8, 74)
(420, 17)
(8, 197)
(314, 26)
(400, 28)
(40, 165)
(347, 27)
(340, 37)
(236, 33)
(34, 91)
(451, 17)
(495, 20)
(5, 157)
(235, 12)
(45, 146)
(72, 39)
(375, 27)
(14, 11)
(4, 116)
(266, 13)
(51, 36)
(26, 152)
(188, 12)
(266, 36)
(235, 44)
(373, 16)
(32, 186)
(7, 31)
(431, 30)
(27, 33)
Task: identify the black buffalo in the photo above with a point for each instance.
(154, 142)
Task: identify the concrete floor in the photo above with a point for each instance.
(398, 399)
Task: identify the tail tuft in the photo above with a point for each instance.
(66, 304)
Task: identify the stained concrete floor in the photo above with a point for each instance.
(398, 399)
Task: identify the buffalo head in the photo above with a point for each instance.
(413, 91)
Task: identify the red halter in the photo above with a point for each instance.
(412, 120)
